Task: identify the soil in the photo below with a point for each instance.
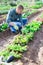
(7, 36)
(31, 56)
(2, 18)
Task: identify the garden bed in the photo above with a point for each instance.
(19, 44)
(33, 14)
(8, 35)
(31, 56)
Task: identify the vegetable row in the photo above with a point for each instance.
(19, 44)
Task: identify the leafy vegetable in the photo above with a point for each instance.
(15, 54)
(18, 48)
(31, 27)
(3, 27)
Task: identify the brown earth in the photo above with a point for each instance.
(31, 57)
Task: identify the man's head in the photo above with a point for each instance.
(20, 9)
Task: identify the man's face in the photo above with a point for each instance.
(19, 11)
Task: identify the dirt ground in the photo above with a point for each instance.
(6, 37)
(34, 54)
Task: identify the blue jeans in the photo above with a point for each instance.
(24, 21)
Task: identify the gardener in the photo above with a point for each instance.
(15, 20)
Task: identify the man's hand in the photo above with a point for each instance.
(11, 23)
(14, 25)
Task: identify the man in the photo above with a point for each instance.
(14, 19)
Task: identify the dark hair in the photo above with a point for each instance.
(20, 7)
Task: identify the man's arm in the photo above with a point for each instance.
(9, 16)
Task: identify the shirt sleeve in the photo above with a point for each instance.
(9, 16)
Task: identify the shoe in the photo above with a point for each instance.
(10, 59)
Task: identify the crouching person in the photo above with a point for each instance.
(15, 20)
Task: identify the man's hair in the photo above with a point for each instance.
(20, 7)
